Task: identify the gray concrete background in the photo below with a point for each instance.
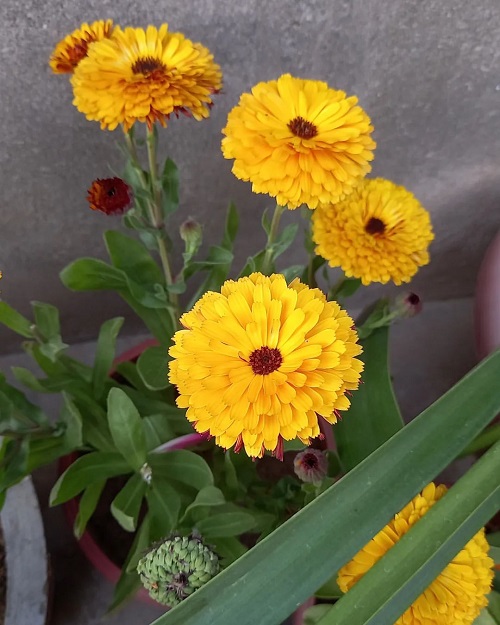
(427, 72)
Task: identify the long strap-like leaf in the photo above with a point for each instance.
(266, 584)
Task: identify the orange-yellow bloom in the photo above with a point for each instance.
(259, 361)
(379, 233)
(299, 141)
(145, 75)
(74, 47)
(457, 595)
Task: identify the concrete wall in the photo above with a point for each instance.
(427, 72)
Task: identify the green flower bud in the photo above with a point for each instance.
(176, 568)
(310, 465)
(191, 234)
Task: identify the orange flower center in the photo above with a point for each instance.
(375, 226)
(77, 52)
(148, 66)
(300, 127)
(265, 360)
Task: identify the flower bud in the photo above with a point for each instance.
(310, 465)
(409, 305)
(111, 196)
(191, 234)
(176, 568)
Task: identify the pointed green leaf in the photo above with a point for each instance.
(87, 505)
(126, 428)
(225, 524)
(86, 470)
(105, 353)
(206, 498)
(90, 274)
(374, 413)
(182, 466)
(15, 321)
(152, 366)
(170, 186)
(126, 506)
(164, 505)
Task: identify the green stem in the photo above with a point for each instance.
(154, 209)
(271, 238)
(483, 441)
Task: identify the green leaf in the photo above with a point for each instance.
(206, 498)
(374, 413)
(126, 428)
(494, 606)
(494, 539)
(87, 505)
(182, 466)
(71, 417)
(164, 505)
(14, 463)
(495, 554)
(225, 524)
(48, 329)
(330, 590)
(229, 549)
(20, 404)
(126, 506)
(256, 588)
(125, 589)
(315, 613)
(284, 240)
(230, 227)
(407, 569)
(142, 542)
(485, 618)
(152, 366)
(87, 469)
(170, 186)
(231, 476)
(90, 274)
(344, 288)
(105, 353)
(290, 273)
(15, 321)
(157, 430)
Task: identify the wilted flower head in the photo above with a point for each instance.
(176, 568)
(112, 196)
(74, 47)
(310, 465)
(459, 592)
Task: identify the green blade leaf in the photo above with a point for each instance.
(71, 417)
(90, 274)
(15, 321)
(48, 329)
(86, 470)
(126, 428)
(182, 466)
(152, 366)
(225, 524)
(231, 227)
(374, 413)
(126, 506)
(87, 505)
(407, 569)
(105, 353)
(170, 186)
(164, 505)
(338, 523)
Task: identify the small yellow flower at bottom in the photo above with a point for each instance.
(457, 595)
(380, 232)
(259, 361)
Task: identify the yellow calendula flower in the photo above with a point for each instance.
(379, 233)
(457, 595)
(145, 75)
(299, 141)
(74, 47)
(259, 361)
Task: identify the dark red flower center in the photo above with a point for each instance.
(413, 299)
(310, 461)
(147, 66)
(300, 127)
(109, 195)
(265, 360)
(375, 226)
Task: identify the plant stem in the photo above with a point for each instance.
(154, 209)
(271, 238)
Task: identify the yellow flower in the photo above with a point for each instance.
(299, 141)
(379, 233)
(259, 361)
(457, 595)
(145, 75)
(74, 47)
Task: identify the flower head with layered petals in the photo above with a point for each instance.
(259, 361)
(379, 233)
(111, 196)
(74, 47)
(145, 75)
(299, 141)
(457, 595)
